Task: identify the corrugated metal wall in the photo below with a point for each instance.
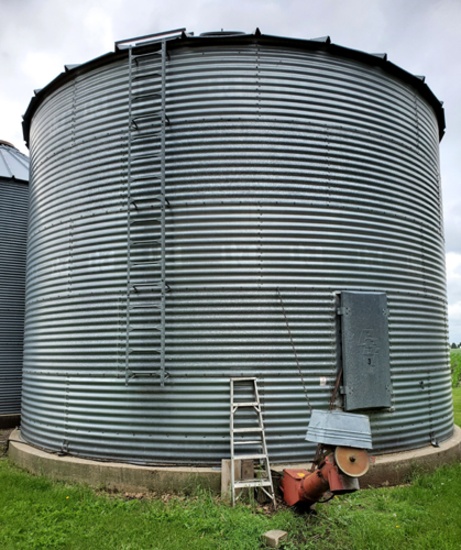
(286, 169)
(13, 234)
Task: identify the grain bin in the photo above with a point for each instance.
(233, 205)
(14, 177)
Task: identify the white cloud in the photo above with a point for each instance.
(40, 67)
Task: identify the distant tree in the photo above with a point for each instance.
(454, 346)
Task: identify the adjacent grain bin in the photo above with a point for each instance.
(225, 205)
(14, 177)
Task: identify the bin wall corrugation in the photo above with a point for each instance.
(13, 232)
(287, 169)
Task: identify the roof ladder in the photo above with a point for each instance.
(146, 216)
(247, 437)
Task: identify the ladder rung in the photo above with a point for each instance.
(145, 178)
(138, 97)
(153, 116)
(142, 75)
(150, 328)
(138, 264)
(134, 158)
(144, 350)
(247, 430)
(251, 457)
(147, 373)
(246, 404)
(145, 241)
(247, 379)
(148, 285)
(153, 305)
(144, 220)
(143, 136)
(248, 442)
(135, 202)
(252, 483)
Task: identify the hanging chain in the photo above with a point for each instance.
(294, 350)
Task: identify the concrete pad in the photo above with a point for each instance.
(274, 537)
(398, 468)
(389, 469)
(112, 475)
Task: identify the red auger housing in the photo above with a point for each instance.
(337, 473)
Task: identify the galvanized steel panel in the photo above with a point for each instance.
(339, 429)
(13, 234)
(286, 169)
(365, 351)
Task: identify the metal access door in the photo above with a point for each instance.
(365, 350)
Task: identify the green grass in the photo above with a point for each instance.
(36, 513)
(423, 515)
(457, 405)
(455, 361)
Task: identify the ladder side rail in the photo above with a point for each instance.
(268, 473)
(162, 213)
(232, 461)
(128, 206)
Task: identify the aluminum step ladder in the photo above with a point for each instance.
(146, 212)
(247, 437)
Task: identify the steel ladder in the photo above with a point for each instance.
(247, 435)
(146, 213)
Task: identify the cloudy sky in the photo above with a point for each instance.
(38, 37)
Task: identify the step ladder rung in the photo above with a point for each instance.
(242, 484)
(253, 456)
(248, 430)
